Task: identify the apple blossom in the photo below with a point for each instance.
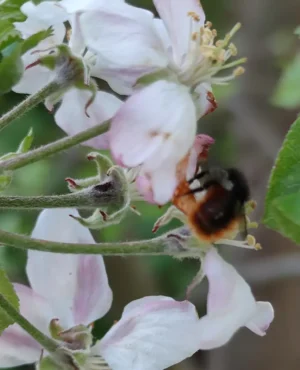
(163, 115)
(71, 115)
(153, 332)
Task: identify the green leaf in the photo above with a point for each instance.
(10, 10)
(286, 212)
(7, 290)
(287, 93)
(285, 181)
(11, 69)
(35, 39)
(8, 34)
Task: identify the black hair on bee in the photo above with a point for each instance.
(222, 208)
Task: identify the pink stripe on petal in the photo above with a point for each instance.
(93, 296)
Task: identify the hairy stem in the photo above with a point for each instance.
(47, 343)
(30, 102)
(53, 148)
(153, 246)
(80, 200)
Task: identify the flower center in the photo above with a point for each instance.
(207, 56)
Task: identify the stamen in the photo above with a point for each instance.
(194, 16)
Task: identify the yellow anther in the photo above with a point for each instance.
(194, 16)
(258, 246)
(238, 71)
(208, 24)
(232, 49)
(251, 240)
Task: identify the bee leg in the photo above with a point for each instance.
(198, 176)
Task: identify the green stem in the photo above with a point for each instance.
(47, 343)
(153, 246)
(53, 148)
(80, 200)
(27, 104)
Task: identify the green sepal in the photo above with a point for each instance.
(23, 147)
(33, 40)
(5, 180)
(162, 74)
(8, 292)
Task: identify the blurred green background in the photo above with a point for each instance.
(249, 127)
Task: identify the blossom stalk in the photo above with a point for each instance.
(55, 147)
(155, 246)
(30, 102)
(80, 200)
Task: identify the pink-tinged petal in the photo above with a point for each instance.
(230, 305)
(144, 187)
(153, 334)
(123, 36)
(93, 296)
(198, 153)
(72, 119)
(16, 346)
(154, 125)
(206, 102)
(179, 24)
(262, 319)
(35, 307)
(76, 285)
(164, 182)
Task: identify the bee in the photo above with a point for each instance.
(215, 207)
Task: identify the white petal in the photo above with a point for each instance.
(73, 6)
(262, 319)
(76, 42)
(16, 346)
(37, 77)
(153, 334)
(76, 285)
(33, 80)
(174, 13)
(72, 119)
(206, 102)
(155, 124)
(230, 304)
(121, 80)
(48, 12)
(123, 36)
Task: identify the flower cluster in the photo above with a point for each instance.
(154, 332)
(164, 68)
(166, 71)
